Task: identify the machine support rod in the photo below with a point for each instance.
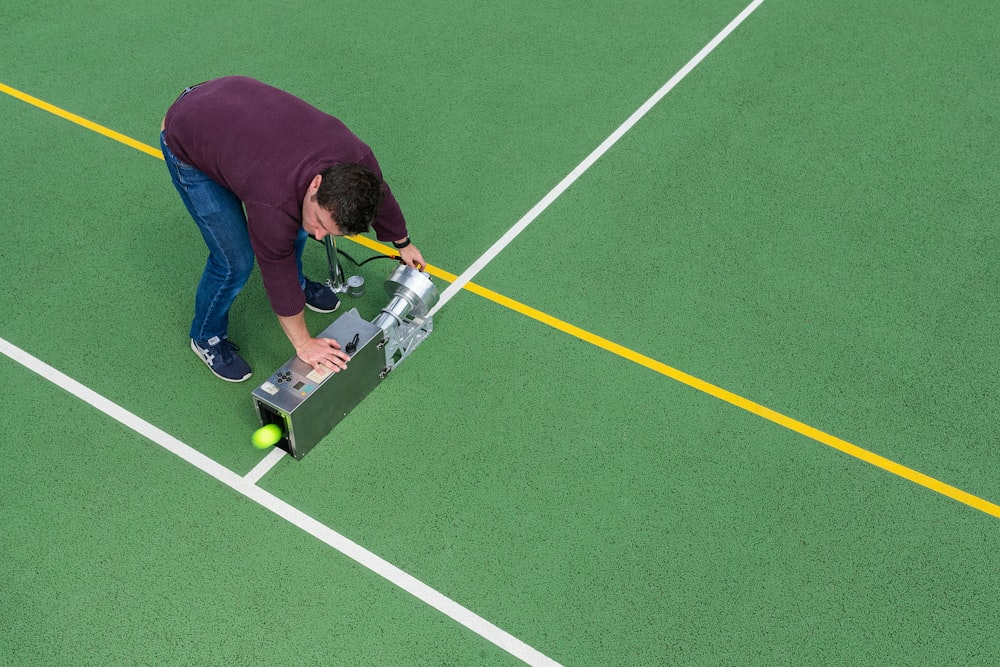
(337, 283)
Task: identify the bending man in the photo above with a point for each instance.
(260, 171)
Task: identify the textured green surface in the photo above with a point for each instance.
(117, 552)
(808, 220)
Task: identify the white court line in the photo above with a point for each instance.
(564, 184)
(265, 465)
(296, 517)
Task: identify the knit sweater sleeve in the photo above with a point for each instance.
(389, 225)
(272, 234)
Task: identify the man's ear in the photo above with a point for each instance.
(317, 179)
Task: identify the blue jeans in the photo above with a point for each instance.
(220, 216)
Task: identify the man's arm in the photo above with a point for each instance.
(410, 254)
(390, 225)
(323, 354)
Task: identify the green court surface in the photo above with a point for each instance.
(728, 397)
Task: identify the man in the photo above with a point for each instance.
(260, 171)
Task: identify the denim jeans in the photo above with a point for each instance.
(220, 216)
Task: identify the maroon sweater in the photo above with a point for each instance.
(266, 146)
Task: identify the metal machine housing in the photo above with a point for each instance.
(307, 405)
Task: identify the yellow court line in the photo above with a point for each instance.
(80, 120)
(722, 394)
(624, 352)
(746, 404)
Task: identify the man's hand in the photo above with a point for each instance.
(411, 257)
(323, 354)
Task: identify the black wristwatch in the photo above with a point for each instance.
(400, 246)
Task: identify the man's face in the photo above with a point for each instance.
(317, 221)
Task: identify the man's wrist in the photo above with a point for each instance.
(295, 329)
(399, 245)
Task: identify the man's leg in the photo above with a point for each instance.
(220, 217)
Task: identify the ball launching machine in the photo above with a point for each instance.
(306, 404)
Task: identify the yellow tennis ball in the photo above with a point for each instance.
(266, 436)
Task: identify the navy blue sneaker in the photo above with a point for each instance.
(321, 297)
(219, 354)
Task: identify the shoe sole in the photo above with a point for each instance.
(194, 348)
(318, 310)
